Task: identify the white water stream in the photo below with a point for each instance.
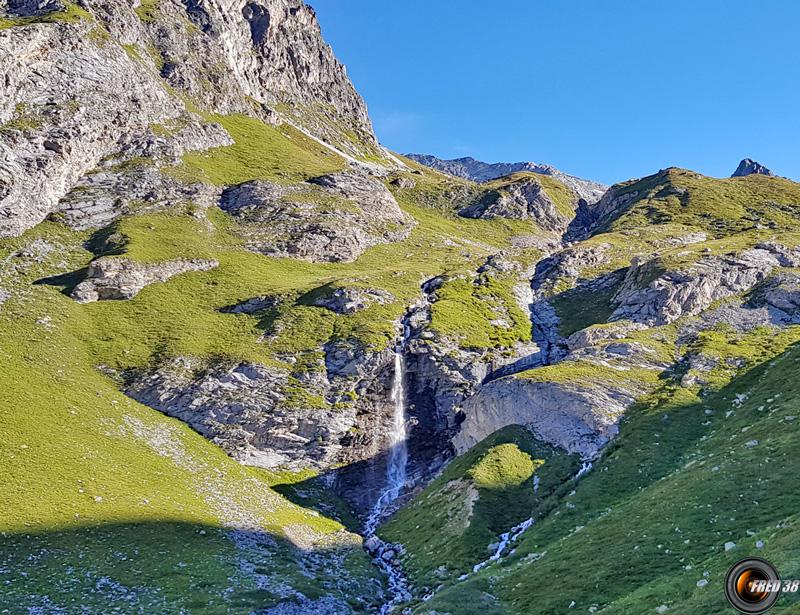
(384, 554)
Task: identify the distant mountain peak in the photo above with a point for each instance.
(749, 166)
(476, 170)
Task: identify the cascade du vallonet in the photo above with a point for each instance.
(253, 362)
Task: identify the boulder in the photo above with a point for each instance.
(351, 300)
(404, 182)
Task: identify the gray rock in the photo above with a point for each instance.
(520, 200)
(591, 216)
(580, 418)
(653, 298)
(71, 100)
(751, 167)
(253, 305)
(76, 98)
(120, 278)
(351, 300)
(248, 409)
(332, 218)
(300, 605)
(404, 182)
(30, 8)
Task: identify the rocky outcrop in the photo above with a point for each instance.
(580, 418)
(271, 416)
(32, 8)
(120, 278)
(591, 217)
(478, 171)
(520, 200)
(652, 296)
(751, 167)
(103, 196)
(351, 300)
(240, 409)
(782, 293)
(253, 305)
(333, 218)
(406, 183)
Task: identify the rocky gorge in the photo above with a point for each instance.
(257, 363)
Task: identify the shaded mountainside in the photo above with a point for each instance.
(207, 267)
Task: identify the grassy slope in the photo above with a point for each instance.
(735, 214)
(448, 527)
(99, 487)
(680, 480)
(678, 483)
(111, 504)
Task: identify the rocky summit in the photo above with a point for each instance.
(254, 362)
(751, 167)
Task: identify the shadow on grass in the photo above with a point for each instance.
(65, 282)
(170, 567)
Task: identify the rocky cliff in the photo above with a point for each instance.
(87, 85)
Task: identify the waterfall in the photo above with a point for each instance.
(396, 474)
(398, 451)
(384, 554)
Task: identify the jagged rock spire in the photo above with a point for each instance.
(749, 166)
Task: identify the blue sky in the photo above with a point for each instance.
(604, 89)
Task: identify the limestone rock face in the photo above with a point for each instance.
(77, 94)
(239, 409)
(521, 200)
(72, 100)
(252, 411)
(333, 218)
(672, 294)
(120, 278)
(580, 419)
(751, 167)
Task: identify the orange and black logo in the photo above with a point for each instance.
(753, 585)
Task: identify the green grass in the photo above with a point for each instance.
(721, 207)
(503, 466)
(261, 151)
(480, 314)
(24, 119)
(66, 425)
(100, 487)
(580, 308)
(71, 15)
(678, 483)
(148, 10)
(450, 525)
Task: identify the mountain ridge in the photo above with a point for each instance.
(476, 170)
